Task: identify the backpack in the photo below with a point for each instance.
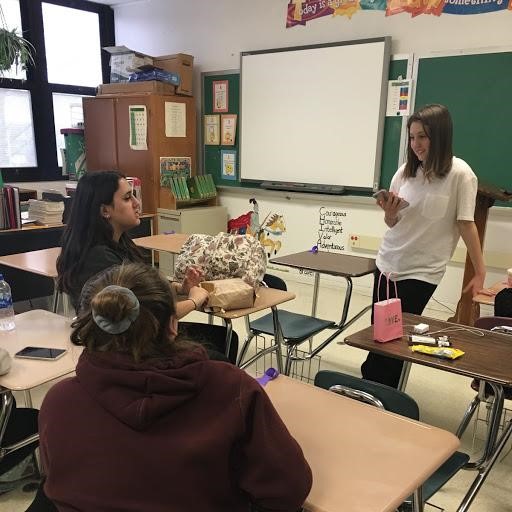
(223, 256)
(503, 303)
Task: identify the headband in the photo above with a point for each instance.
(106, 324)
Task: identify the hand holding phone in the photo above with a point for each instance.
(382, 196)
(44, 353)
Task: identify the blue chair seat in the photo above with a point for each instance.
(295, 327)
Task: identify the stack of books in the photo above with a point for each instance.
(46, 212)
(10, 213)
(195, 187)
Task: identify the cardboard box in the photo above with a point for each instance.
(151, 86)
(124, 61)
(182, 64)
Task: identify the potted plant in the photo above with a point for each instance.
(14, 48)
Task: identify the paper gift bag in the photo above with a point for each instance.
(387, 315)
(226, 294)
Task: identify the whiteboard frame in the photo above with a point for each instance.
(380, 121)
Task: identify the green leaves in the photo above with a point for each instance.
(14, 49)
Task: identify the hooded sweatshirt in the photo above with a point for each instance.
(181, 433)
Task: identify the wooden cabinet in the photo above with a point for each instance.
(107, 139)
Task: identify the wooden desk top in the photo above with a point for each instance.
(266, 298)
(41, 262)
(483, 298)
(168, 243)
(335, 264)
(363, 459)
(486, 357)
(39, 329)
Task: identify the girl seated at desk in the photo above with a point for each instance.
(95, 238)
(149, 423)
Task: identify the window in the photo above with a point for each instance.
(69, 64)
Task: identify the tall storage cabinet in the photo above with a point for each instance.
(107, 138)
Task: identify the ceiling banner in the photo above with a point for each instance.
(299, 13)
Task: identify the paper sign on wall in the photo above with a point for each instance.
(138, 127)
(175, 119)
(399, 98)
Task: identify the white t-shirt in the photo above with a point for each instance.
(422, 242)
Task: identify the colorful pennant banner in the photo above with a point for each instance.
(299, 13)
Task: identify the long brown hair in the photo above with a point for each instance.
(87, 228)
(438, 126)
(147, 336)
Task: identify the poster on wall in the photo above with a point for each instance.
(212, 129)
(228, 161)
(138, 127)
(228, 129)
(399, 98)
(220, 96)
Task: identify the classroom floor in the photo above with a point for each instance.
(442, 398)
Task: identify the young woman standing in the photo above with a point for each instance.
(441, 191)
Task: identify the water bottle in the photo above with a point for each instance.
(6, 309)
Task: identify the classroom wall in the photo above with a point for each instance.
(216, 32)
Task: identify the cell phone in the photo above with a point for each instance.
(44, 353)
(383, 195)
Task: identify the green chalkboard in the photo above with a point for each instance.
(477, 91)
(212, 154)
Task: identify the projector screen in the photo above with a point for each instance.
(314, 114)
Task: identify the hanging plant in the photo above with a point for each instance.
(14, 48)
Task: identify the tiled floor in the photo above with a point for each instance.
(442, 398)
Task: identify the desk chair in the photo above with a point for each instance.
(18, 439)
(396, 401)
(295, 329)
(494, 323)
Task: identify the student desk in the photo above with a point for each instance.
(363, 458)
(334, 264)
(41, 262)
(487, 358)
(37, 328)
(488, 299)
(265, 298)
(169, 243)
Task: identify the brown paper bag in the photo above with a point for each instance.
(227, 294)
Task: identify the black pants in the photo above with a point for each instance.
(22, 424)
(213, 337)
(414, 296)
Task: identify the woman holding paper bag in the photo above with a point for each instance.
(430, 204)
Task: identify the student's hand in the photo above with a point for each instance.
(391, 207)
(198, 295)
(476, 284)
(193, 276)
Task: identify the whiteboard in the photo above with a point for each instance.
(314, 114)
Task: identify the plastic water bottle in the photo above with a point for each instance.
(6, 309)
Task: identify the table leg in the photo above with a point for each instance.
(55, 297)
(404, 376)
(316, 286)
(28, 398)
(278, 339)
(229, 335)
(417, 500)
(492, 450)
(492, 429)
(482, 475)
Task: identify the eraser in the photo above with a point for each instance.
(421, 328)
